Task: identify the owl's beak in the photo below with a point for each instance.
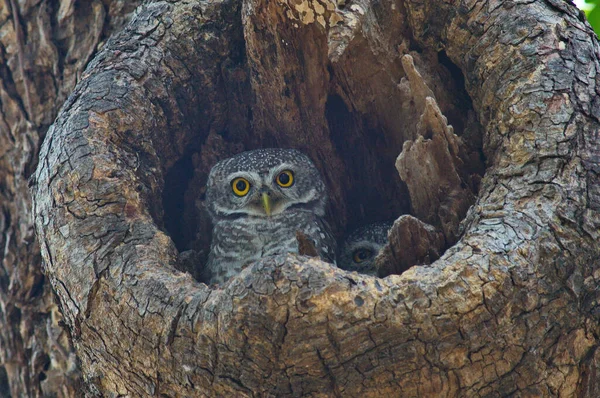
(266, 201)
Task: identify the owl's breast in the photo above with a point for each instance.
(239, 242)
(277, 235)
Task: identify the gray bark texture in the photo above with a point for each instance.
(510, 308)
(44, 47)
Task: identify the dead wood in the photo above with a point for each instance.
(411, 242)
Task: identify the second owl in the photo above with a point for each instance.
(257, 201)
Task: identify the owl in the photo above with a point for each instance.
(359, 249)
(258, 201)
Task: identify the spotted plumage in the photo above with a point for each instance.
(359, 249)
(257, 201)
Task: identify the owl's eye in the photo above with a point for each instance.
(285, 179)
(240, 186)
(361, 255)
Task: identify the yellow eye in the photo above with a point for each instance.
(240, 186)
(285, 179)
(361, 255)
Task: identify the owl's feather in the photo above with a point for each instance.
(369, 240)
(244, 231)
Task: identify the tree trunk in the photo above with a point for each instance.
(511, 308)
(44, 47)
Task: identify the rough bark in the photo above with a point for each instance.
(512, 308)
(410, 242)
(44, 47)
(442, 186)
(431, 167)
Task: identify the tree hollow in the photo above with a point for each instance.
(512, 308)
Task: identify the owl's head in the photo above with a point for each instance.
(264, 183)
(359, 249)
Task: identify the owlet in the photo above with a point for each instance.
(257, 201)
(360, 248)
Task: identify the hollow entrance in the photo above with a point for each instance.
(353, 118)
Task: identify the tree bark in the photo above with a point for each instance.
(44, 47)
(511, 308)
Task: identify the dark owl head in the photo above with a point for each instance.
(264, 183)
(359, 249)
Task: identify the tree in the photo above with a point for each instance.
(44, 47)
(510, 308)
